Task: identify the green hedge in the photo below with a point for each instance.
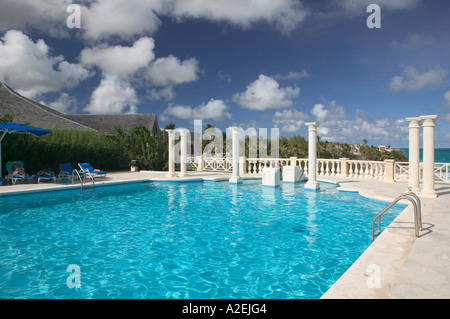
(105, 152)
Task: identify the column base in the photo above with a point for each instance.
(182, 174)
(312, 186)
(169, 175)
(429, 194)
(236, 180)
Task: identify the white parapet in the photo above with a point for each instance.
(292, 174)
(271, 176)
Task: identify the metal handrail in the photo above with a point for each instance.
(86, 172)
(415, 200)
(79, 177)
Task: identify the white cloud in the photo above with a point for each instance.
(292, 76)
(413, 80)
(265, 93)
(136, 64)
(290, 120)
(113, 96)
(65, 104)
(48, 16)
(30, 68)
(103, 19)
(223, 76)
(166, 93)
(319, 112)
(335, 126)
(412, 42)
(335, 112)
(127, 20)
(171, 71)
(286, 15)
(120, 60)
(447, 98)
(215, 109)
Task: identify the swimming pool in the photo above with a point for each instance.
(182, 240)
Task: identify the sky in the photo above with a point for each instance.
(248, 63)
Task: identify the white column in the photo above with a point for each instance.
(235, 178)
(171, 155)
(428, 156)
(312, 156)
(183, 156)
(414, 153)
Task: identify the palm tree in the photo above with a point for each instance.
(170, 126)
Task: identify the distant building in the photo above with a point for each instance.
(355, 150)
(383, 148)
(25, 110)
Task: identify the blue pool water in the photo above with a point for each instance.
(192, 240)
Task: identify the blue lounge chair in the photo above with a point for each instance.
(89, 171)
(68, 172)
(46, 175)
(15, 178)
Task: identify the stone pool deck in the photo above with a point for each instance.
(397, 265)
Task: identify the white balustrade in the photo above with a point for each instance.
(367, 169)
(373, 170)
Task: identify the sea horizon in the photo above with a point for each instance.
(441, 155)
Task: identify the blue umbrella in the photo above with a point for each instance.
(15, 128)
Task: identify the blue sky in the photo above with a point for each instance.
(259, 64)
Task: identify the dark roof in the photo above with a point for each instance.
(105, 123)
(25, 110)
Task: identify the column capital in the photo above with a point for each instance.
(428, 120)
(414, 122)
(169, 131)
(312, 125)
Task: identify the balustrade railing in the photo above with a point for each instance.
(367, 169)
(216, 163)
(441, 171)
(387, 170)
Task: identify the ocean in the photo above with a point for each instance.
(441, 155)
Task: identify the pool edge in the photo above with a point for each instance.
(372, 275)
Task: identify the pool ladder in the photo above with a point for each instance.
(415, 200)
(83, 180)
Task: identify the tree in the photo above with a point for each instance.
(170, 126)
(6, 118)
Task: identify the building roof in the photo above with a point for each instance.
(25, 110)
(106, 123)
